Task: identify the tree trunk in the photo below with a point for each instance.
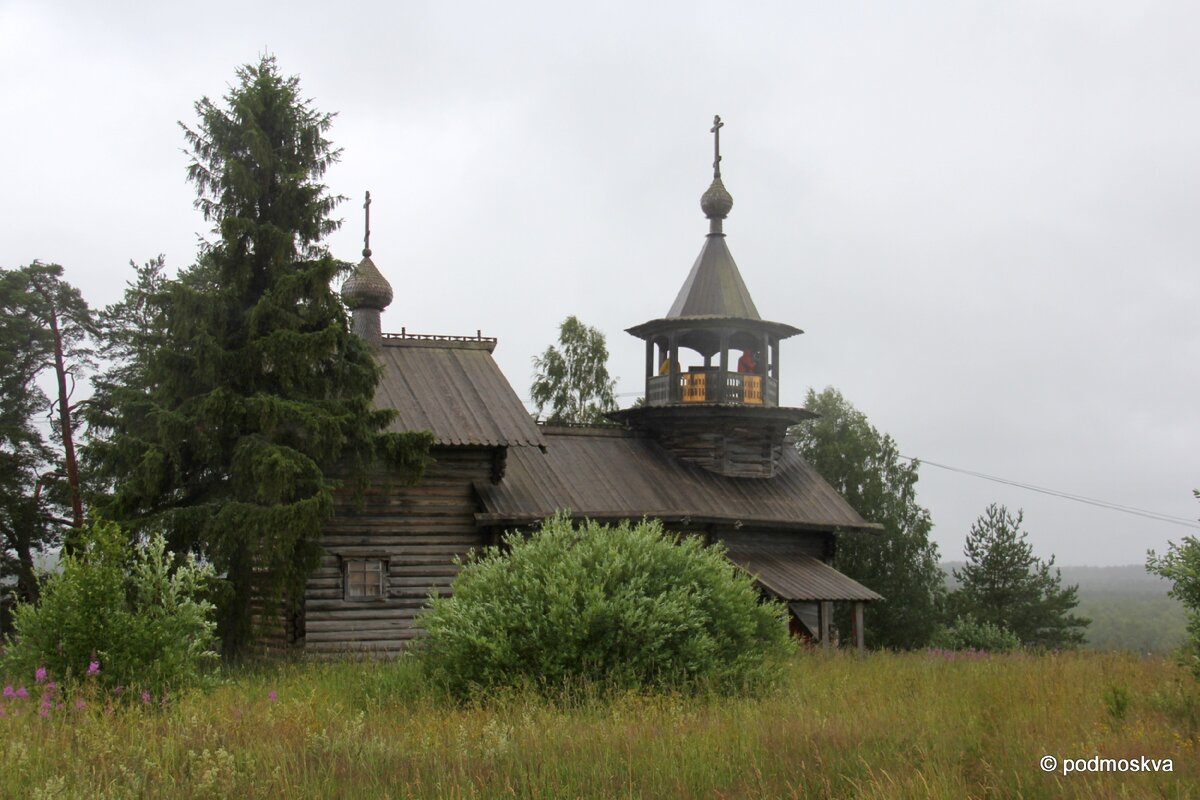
(64, 418)
(27, 585)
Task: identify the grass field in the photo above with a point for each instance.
(885, 726)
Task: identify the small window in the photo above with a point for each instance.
(364, 578)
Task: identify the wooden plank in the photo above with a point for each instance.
(314, 605)
(331, 615)
(346, 637)
(358, 648)
(352, 627)
(826, 614)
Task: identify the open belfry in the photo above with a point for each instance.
(707, 453)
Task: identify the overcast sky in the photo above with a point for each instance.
(984, 215)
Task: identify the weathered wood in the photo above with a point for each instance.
(394, 646)
(419, 530)
(826, 616)
(859, 630)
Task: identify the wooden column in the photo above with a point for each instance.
(650, 366)
(860, 638)
(825, 612)
(673, 394)
(724, 368)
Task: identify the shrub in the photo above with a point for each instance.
(620, 607)
(122, 607)
(967, 634)
(1181, 566)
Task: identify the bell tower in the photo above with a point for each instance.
(720, 409)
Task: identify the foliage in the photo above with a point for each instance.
(1140, 623)
(143, 620)
(62, 329)
(909, 725)
(1004, 584)
(1181, 566)
(967, 634)
(624, 606)
(574, 381)
(242, 388)
(44, 325)
(901, 563)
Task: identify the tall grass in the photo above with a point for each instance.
(885, 726)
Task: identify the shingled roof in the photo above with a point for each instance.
(714, 287)
(453, 387)
(616, 474)
(795, 576)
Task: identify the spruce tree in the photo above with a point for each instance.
(257, 398)
(1004, 584)
(901, 563)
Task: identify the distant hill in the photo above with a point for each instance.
(1128, 606)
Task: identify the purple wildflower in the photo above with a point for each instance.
(44, 711)
(51, 686)
(80, 704)
(22, 693)
(273, 695)
(93, 667)
(39, 675)
(9, 691)
(146, 698)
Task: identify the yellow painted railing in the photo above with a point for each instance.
(752, 389)
(695, 387)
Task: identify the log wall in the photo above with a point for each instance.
(418, 530)
(742, 451)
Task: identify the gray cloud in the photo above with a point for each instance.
(983, 216)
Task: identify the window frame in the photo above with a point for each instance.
(365, 564)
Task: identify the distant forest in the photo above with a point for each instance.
(1128, 606)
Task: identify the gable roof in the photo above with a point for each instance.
(614, 474)
(453, 387)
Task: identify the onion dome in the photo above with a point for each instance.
(366, 287)
(716, 202)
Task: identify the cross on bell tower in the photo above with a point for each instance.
(722, 411)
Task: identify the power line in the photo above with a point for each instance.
(1078, 498)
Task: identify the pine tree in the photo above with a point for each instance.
(45, 325)
(24, 454)
(1004, 584)
(901, 563)
(256, 396)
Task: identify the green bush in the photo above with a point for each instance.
(143, 624)
(616, 607)
(967, 634)
(1181, 566)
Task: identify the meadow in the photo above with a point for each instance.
(914, 725)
